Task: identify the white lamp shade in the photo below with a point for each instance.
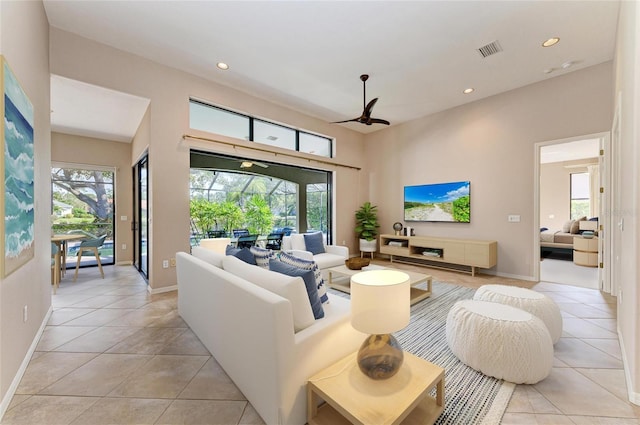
(380, 301)
(218, 245)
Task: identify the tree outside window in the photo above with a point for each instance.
(580, 199)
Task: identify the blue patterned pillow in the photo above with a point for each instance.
(308, 265)
(262, 256)
(309, 283)
(313, 243)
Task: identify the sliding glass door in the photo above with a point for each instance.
(140, 225)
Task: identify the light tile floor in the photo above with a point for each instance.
(113, 354)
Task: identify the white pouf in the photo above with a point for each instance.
(500, 341)
(534, 302)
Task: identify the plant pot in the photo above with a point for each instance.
(368, 246)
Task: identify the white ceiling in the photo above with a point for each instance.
(308, 55)
(570, 151)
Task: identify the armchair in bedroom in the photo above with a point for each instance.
(312, 246)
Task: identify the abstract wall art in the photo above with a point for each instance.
(17, 166)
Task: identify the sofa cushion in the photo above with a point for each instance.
(262, 256)
(327, 260)
(309, 283)
(308, 265)
(313, 242)
(297, 242)
(291, 288)
(207, 255)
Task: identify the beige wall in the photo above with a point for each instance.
(89, 151)
(25, 45)
(555, 191)
(627, 156)
(491, 143)
(169, 91)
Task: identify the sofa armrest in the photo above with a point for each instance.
(305, 255)
(342, 251)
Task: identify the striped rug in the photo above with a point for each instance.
(470, 397)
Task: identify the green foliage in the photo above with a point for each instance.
(258, 216)
(203, 214)
(461, 209)
(367, 221)
(228, 216)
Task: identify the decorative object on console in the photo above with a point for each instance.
(380, 305)
(449, 202)
(397, 226)
(356, 263)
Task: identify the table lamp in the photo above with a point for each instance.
(380, 304)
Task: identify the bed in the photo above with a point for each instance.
(561, 241)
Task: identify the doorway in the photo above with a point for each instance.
(140, 224)
(570, 181)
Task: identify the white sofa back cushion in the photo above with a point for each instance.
(291, 288)
(205, 254)
(297, 242)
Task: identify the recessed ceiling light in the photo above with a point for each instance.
(551, 42)
(566, 65)
(548, 70)
(469, 90)
(222, 66)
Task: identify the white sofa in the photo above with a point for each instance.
(334, 255)
(250, 332)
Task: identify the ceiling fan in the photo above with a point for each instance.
(365, 118)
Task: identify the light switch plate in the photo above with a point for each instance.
(513, 218)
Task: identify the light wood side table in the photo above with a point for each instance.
(353, 397)
(585, 251)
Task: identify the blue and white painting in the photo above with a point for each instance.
(18, 193)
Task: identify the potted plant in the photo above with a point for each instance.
(367, 227)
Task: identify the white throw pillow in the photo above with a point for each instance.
(291, 288)
(297, 242)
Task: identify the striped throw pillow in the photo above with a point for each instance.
(308, 265)
(262, 256)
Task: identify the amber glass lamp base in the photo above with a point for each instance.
(380, 356)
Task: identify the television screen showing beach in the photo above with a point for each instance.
(438, 202)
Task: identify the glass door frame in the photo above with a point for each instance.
(140, 223)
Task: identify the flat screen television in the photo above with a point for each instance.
(449, 202)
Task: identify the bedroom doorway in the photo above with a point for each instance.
(571, 182)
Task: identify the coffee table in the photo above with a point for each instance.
(353, 397)
(344, 285)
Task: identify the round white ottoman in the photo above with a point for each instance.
(500, 341)
(534, 302)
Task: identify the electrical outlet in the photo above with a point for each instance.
(172, 262)
(513, 218)
(123, 218)
(165, 264)
(25, 313)
(124, 246)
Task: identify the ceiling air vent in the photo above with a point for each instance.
(490, 49)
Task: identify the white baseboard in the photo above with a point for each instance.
(162, 290)
(124, 263)
(634, 397)
(508, 275)
(6, 400)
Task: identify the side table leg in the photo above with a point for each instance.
(312, 404)
(440, 392)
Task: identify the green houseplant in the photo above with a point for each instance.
(258, 216)
(367, 226)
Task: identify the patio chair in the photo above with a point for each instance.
(240, 232)
(274, 241)
(247, 241)
(90, 247)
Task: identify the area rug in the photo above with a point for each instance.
(471, 398)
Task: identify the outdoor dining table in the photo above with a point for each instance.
(61, 256)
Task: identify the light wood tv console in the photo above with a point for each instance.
(463, 252)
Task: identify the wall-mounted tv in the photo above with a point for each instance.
(448, 202)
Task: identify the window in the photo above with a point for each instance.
(579, 195)
(214, 119)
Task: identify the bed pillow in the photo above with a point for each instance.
(313, 242)
(566, 227)
(309, 283)
(262, 256)
(575, 225)
(308, 265)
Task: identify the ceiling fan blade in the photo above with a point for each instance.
(352, 120)
(378, 121)
(369, 107)
(260, 164)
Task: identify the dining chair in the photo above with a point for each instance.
(90, 247)
(247, 241)
(240, 232)
(55, 266)
(274, 241)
